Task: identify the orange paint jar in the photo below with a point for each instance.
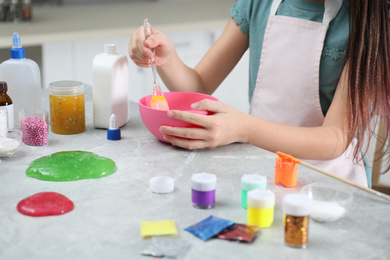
(286, 172)
(67, 107)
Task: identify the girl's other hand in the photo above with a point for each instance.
(225, 126)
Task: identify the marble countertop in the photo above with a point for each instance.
(93, 21)
(105, 223)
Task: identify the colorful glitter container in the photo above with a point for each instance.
(203, 190)
(250, 182)
(261, 205)
(297, 208)
(67, 107)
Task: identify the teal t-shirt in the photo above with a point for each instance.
(252, 17)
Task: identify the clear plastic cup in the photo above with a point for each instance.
(34, 124)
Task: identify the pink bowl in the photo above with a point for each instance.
(154, 118)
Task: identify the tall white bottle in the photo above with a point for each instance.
(110, 87)
(23, 78)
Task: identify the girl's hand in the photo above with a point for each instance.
(140, 49)
(225, 126)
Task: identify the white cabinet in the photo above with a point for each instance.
(73, 61)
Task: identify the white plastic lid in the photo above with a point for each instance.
(203, 181)
(110, 48)
(161, 184)
(66, 88)
(261, 199)
(297, 204)
(253, 181)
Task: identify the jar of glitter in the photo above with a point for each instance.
(261, 205)
(203, 190)
(297, 208)
(250, 182)
(67, 107)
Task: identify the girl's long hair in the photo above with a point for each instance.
(368, 58)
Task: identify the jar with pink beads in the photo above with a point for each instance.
(34, 125)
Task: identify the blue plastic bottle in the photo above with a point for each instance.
(23, 78)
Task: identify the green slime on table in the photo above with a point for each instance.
(70, 166)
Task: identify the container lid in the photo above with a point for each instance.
(261, 199)
(253, 181)
(66, 88)
(161, 184)
(110, 48)
(113, 132)
(297, 204)
(3, 86)
(203, 181)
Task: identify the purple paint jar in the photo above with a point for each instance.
(203, 190)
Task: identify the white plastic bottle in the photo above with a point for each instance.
(110, 87)
(23, 78)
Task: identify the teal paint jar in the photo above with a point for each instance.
(251, 182)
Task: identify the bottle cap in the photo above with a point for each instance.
(110, 48)
(161, 184)
(297, 204)
(113, 132)
(203, 181)
(253, 181)
(17, 51)
(3, 86)
(261, 199)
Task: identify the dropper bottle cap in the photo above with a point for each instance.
(17, 51)
(113, 132)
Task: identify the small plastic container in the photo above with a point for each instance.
(203, 190)
(161, 184)
(67, 107)
(297, 208)
(35, 126)
(250, 182)
(286, 173)
(10, 143)
(261, 205)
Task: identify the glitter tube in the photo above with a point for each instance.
(261, 205)
(203, 190)
(297, 209)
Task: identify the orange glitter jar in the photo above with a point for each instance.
(297, 208)
(67, 107)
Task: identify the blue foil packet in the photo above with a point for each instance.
(209, 227)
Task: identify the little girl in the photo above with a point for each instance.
(319, 77)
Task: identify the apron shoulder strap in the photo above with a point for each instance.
(275, 6)
(332, 8)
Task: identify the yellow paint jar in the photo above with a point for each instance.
(261, 205)
(67, 107)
